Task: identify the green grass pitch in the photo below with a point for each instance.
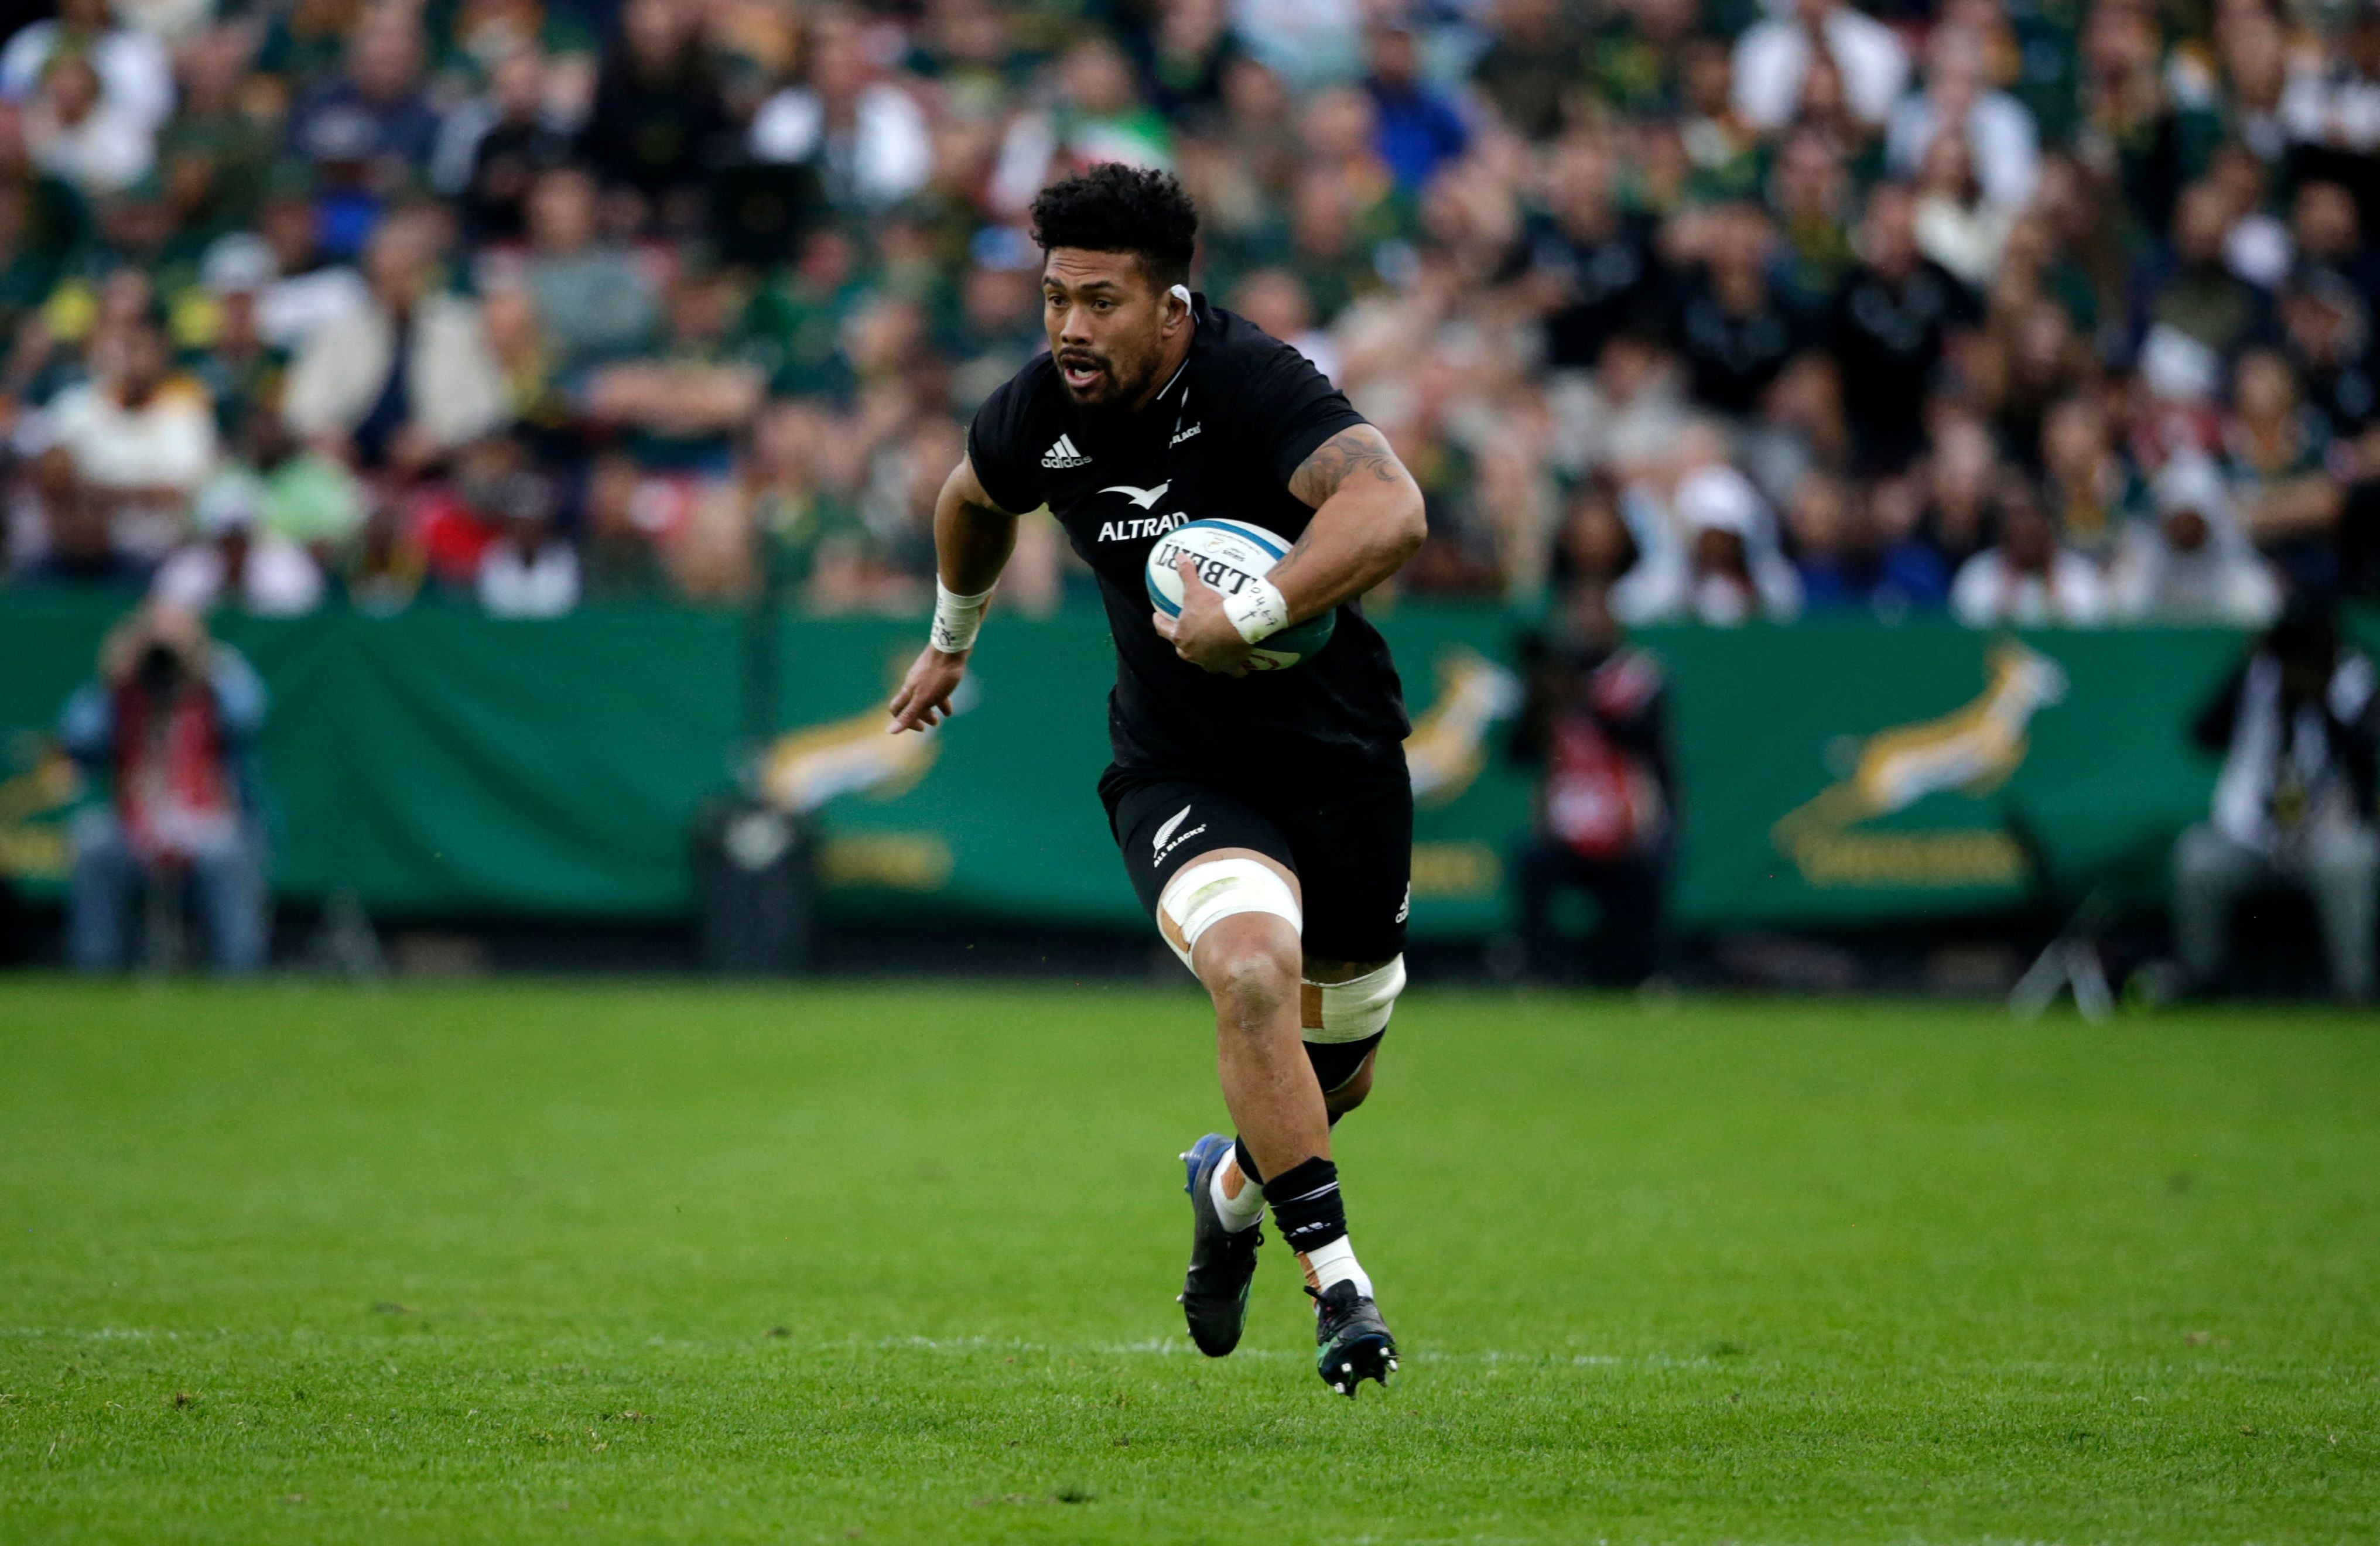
(683, 1263)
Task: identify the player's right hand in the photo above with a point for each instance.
(924, 699)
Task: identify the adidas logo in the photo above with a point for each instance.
(1061, 454)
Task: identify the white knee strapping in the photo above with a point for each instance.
(1357, 1008)
(1215, 889)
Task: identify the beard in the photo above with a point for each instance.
(1112, 385)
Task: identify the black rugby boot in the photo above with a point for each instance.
(1352, 1341)
(1222, 1261)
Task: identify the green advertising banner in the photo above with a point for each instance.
(443, 762)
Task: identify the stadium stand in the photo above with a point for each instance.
(2032, 313)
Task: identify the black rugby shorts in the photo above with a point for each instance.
(1349, 841)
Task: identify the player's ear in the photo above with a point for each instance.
(1178, 296)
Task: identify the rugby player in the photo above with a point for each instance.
(1266, 817)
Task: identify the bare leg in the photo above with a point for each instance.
(1249, 963)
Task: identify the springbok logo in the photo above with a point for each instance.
(807, 768)
(1972, 749)
(32, 805)
(1449, 744)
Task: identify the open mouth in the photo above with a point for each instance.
(1081, 374)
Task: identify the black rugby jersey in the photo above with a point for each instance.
(1222, 439)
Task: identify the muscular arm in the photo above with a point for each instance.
(1367, 522)
(973, 538)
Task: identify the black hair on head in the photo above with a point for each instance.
(1115, 208)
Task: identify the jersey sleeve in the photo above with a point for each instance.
(1000, 450)
(1291, 409)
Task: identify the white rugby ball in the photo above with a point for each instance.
(1229, 554)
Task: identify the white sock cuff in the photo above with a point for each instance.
(1336, 1263)
(1237, 1213)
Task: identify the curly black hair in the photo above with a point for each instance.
(1115, 208)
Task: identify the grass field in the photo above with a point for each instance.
(681, 1263)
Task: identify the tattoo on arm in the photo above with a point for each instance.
(1355, 453)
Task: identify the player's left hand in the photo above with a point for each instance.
(1202, 635)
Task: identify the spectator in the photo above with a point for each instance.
(1275, 300)
(2190, 313)
(1960, 103)
(1625, 416)
(1593, 268)
(214, 156)
(659, 123)
(2025, 579)
(493, 150)
(1849, 558)
(1097, 117)
(135, 76)
(1533, 61)
(594, 299)
(2292, 805)
(867, 134)
(686, 406)
(2326, 232)
(1596, 723)
(1955, 491)
(2090, 490)
(1416, 130)
(76, 136)
(301, 284)
(529, 570)
(373, 124)
(1957, 225)
(1734, 332)
(1722, 566)
(2327, 334)
(142, 437)
(2192, 562)
(235, 561)
(1890, 324)
(70, 540)
(405, 381)
(621, 561)
(240, 371)
(1774, 59)
(166, 727)
(1594, 549)
(2273, 450)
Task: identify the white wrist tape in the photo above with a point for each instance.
(956, 618)
(1258, 612)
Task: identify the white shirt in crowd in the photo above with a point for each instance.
(135, 74)
(890, 151)
(543, 583)
(2221, 578)
(2002, 144)
(107, 152)
(168, 443)
(1772, 59)
(277, 578)
(1988, 591)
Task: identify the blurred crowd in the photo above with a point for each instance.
(2035, 310)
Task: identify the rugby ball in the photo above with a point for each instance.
(1229, 554)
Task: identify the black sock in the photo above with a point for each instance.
(1307, 1207)
(1248, 1162)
